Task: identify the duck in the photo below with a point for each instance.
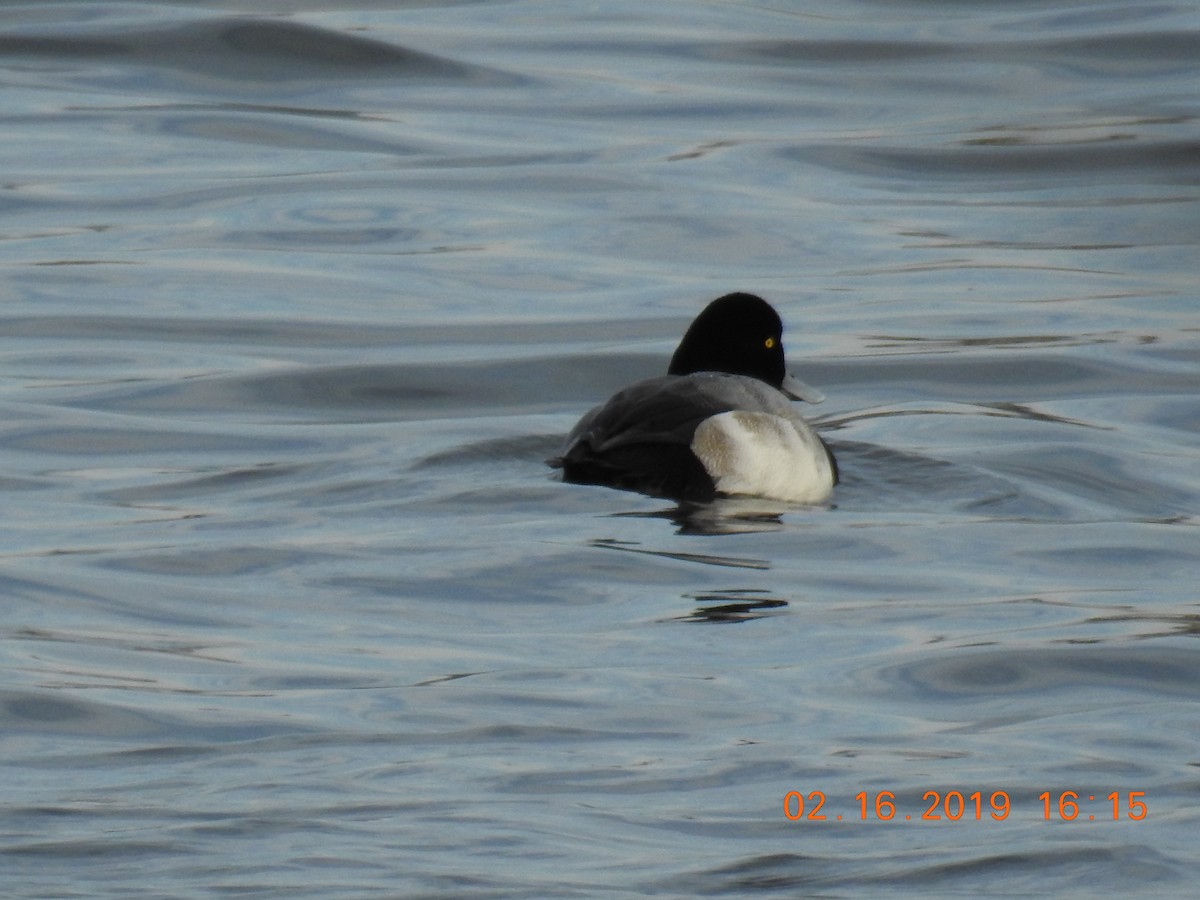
(720, 423)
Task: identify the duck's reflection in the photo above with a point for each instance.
(725, 515)
(709, 559)
(729, 607)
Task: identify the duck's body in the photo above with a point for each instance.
(718, 424)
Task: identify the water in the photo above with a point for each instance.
(296, 305)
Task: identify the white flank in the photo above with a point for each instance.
(764, 455)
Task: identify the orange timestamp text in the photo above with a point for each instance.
(956, 806)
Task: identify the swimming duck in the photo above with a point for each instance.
(720, 422)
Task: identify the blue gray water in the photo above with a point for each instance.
(295, 306)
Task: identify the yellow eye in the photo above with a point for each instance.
(769, 343)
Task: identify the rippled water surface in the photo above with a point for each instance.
(296, 305)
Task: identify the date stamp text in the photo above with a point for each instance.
(974, 806)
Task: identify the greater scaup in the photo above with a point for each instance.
(719, 423)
